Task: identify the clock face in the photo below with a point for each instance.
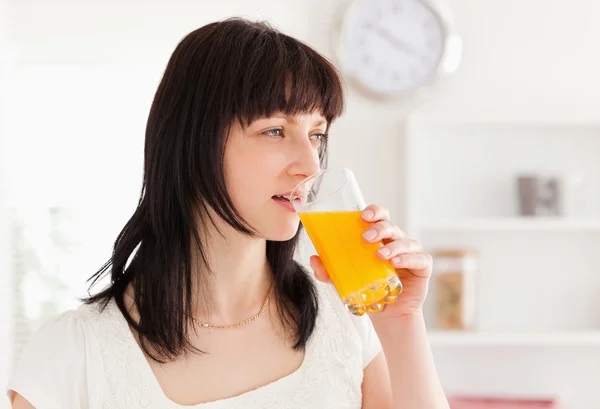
(393, 46)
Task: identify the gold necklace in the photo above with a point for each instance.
(241, 323)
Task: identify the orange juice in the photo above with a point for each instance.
(362, 279)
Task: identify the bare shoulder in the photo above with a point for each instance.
(19, 402)
(376, 386)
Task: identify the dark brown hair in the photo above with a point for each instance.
(233, 70)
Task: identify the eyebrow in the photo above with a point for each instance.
(321, 122)
(294, 121)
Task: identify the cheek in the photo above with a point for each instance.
(257, 162)
(250, 176)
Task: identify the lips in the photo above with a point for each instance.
(283, 196)
(287, 200)
(284, 201)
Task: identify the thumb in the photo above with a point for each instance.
(319, 269)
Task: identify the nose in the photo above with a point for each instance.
(305, 161)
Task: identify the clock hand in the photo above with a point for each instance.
(396, 42)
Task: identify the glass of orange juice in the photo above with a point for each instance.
(329, 204)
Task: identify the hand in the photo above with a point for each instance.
(412, 264)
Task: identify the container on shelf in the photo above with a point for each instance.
(454, 277)
(539, 195)
(475, 402)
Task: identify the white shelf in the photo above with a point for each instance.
(513, 224)
(555, 338)
(420, 120)
(462, 192)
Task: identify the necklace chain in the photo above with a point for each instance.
(241, 323)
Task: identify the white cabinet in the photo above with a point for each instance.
(538, 284)
(536, 274)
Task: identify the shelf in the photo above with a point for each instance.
(554, 338)
(514, 224)
(419, 120)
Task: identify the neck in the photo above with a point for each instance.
(239, 277)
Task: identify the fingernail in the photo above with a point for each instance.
(370, 234)
(368, 214)
(384, 251)
(397, 260)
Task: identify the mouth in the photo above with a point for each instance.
(284, 196)
(284, 200)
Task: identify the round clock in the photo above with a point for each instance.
(393, 48)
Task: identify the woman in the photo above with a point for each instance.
(206, 305)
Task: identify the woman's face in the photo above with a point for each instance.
(267, 160)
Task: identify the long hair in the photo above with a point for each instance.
(227, 71)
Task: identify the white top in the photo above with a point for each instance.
(90, 360)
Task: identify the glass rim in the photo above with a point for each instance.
(293, 196)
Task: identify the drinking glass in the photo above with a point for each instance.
(330, 204)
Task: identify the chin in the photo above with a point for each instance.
(282, 232)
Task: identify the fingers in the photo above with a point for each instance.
(374, 213)
(319, 269)
(398, 247)
(404, 254)
(383, 230)
(417, 263)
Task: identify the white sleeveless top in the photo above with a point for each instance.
(85, 359)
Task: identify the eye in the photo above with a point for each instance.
(319, 137)
(275, 133)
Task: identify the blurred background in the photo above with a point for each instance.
(495, 169)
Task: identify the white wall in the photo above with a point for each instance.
(523, 60)
(5, 287)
